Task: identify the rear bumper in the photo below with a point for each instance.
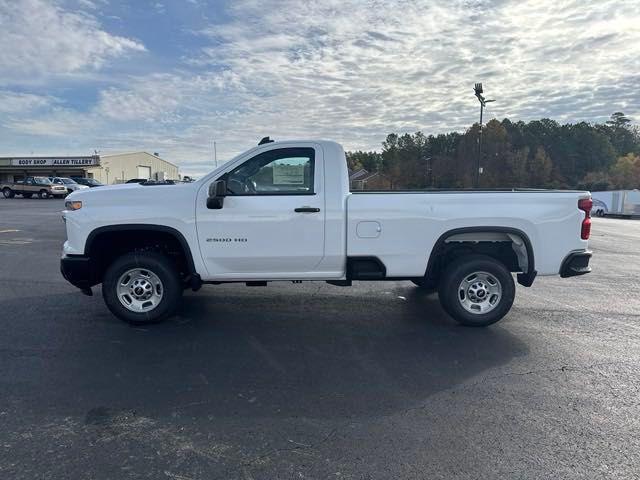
(576, 263)
(76, 269)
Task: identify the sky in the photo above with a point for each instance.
(174, 76)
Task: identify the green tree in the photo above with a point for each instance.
(621, 134)
(626, 172)
(540, 169)
(516, 172)
(619, 120)
(392, 159)
(539, 153)
(370, 161)
(596, 182)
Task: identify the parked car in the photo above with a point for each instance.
(89, 182)
(68, 183)
(40, 186)
(148, 181)
(283, 212)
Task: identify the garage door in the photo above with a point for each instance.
(144, 172)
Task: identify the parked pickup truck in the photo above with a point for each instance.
(283, 212)
(40, 186)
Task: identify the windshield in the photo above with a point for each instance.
(67, 181)
(85, 181)
(41, 180)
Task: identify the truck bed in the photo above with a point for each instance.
(398, 226)
(468, 190)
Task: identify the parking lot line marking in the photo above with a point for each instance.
(9, 231)
(17, 241)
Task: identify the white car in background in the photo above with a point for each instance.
(68, 183)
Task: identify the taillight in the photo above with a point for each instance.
(585, 204)
(586, 229)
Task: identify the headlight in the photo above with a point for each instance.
(73, 205)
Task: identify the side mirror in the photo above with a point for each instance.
(217, 192)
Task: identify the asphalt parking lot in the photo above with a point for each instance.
(316, 381)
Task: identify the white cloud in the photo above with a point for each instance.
(23, 103)
(381, 66)
(40, 38)
(91, 4)
(59, 123)
(165, 98)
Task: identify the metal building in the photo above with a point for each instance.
(119, 168)
(17, 168)
(107, 169)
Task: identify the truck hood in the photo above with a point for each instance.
(133, 195)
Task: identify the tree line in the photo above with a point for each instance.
(535, 154)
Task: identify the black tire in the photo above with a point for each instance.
(462, 268)
(159, 265)
(7, 192)
(43, 194)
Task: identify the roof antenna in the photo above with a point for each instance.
(265, 140)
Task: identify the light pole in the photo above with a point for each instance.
(215, 154)
(483, 102)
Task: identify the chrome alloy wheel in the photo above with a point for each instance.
(479, 293)
(140, 290)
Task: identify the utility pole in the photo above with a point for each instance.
(483, 102)
(215, 154)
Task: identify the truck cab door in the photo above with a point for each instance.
(271, 222)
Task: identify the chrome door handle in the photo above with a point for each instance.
(306, 210)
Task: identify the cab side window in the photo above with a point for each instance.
(284, 171)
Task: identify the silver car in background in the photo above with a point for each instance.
(68, 183)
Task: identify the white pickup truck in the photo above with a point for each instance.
(283, 212)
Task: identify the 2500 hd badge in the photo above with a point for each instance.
(227, 240)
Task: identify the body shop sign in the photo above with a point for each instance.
(56, 162)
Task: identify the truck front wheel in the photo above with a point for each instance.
(476, 290)
(142, 288)
(7, 192)
(43, 194)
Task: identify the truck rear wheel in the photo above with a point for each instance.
(476, 290)
(142, 288)
(7, 192)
